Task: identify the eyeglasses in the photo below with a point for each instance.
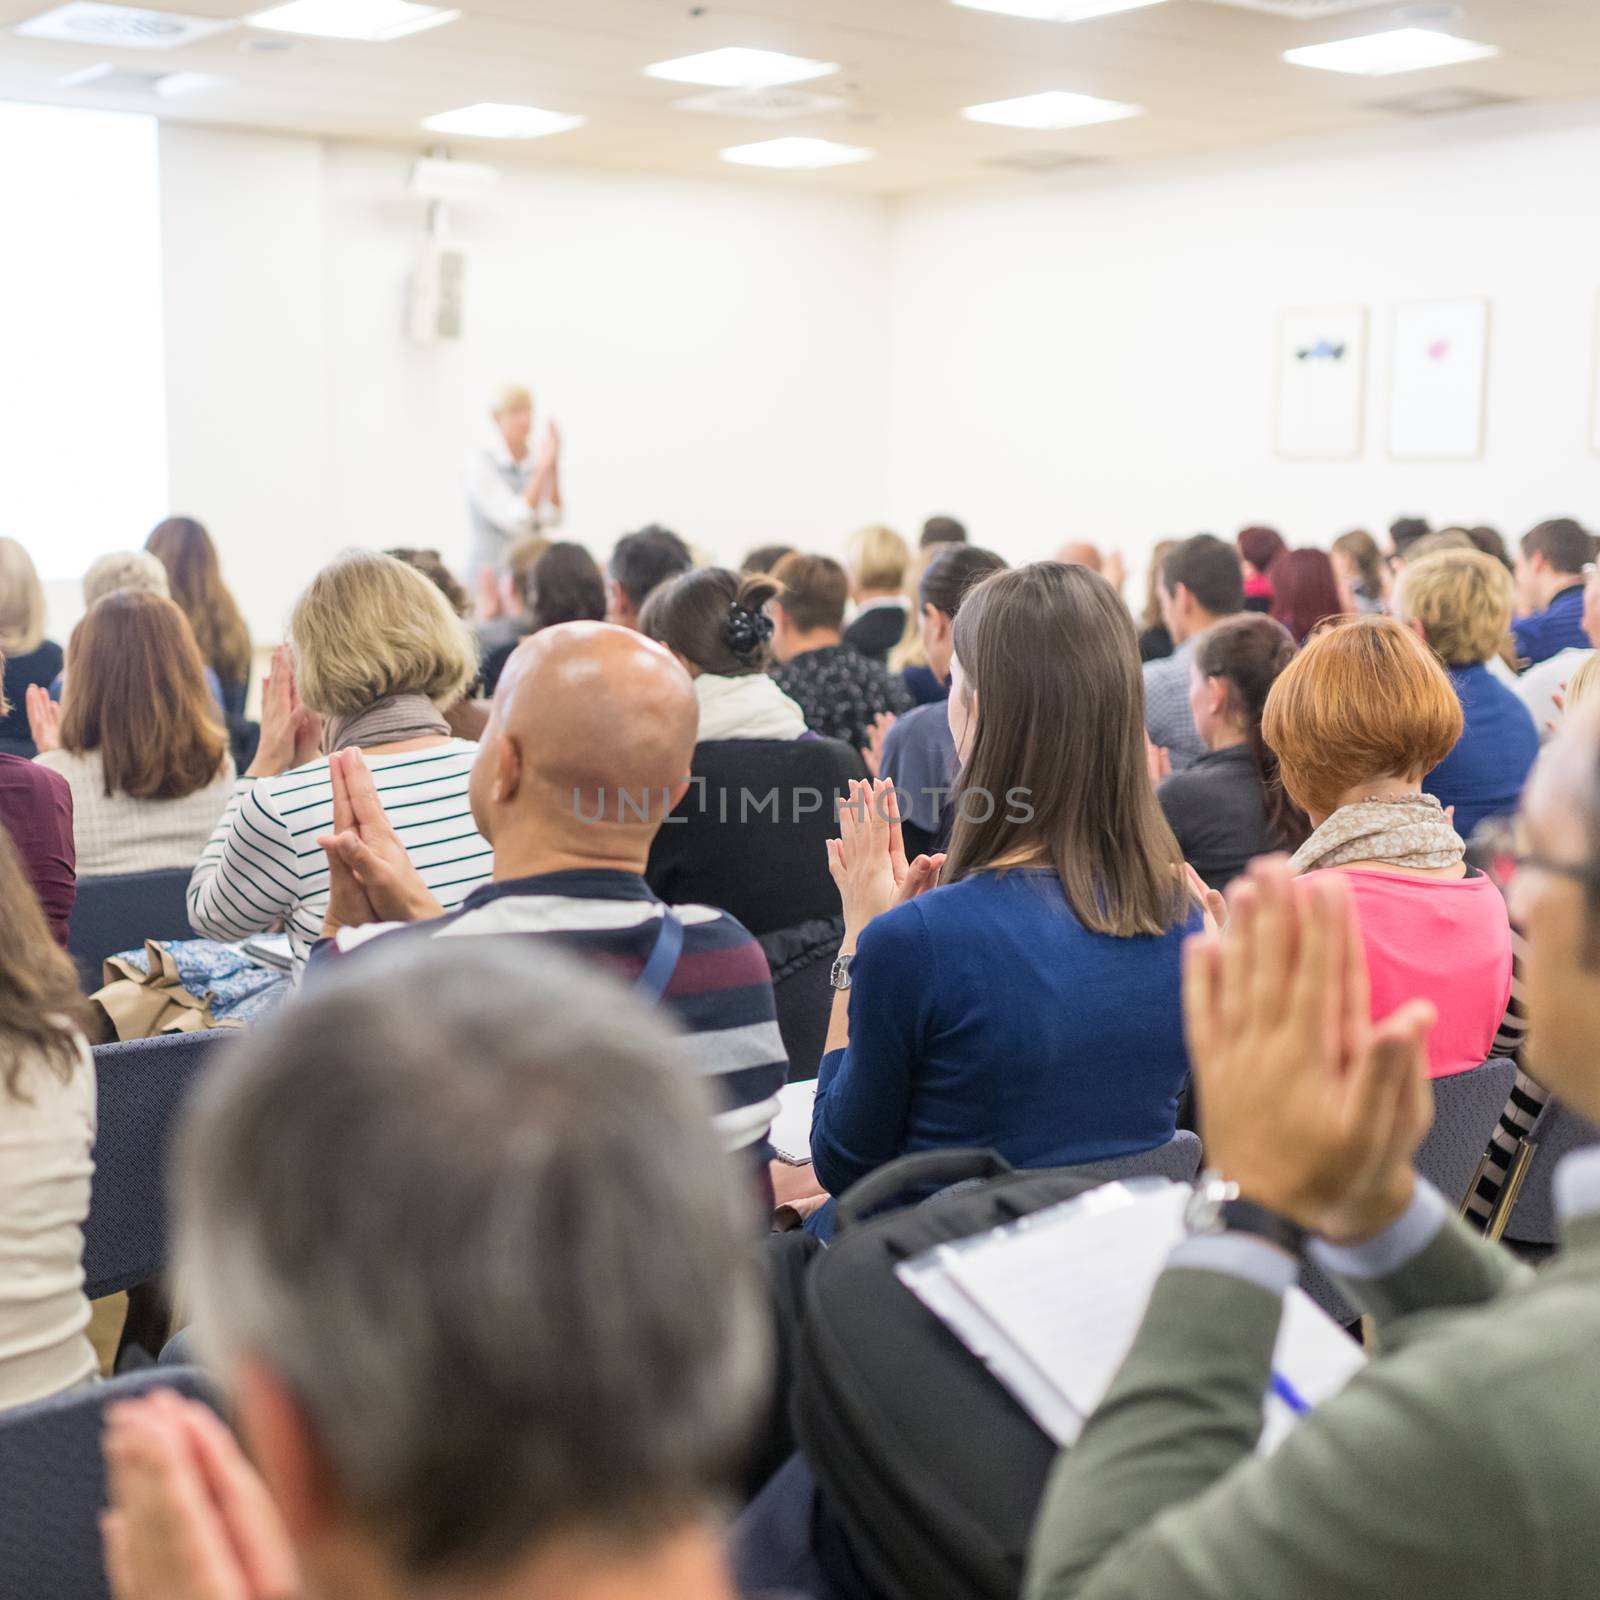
(1496, 849)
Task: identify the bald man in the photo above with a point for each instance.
(586, 752)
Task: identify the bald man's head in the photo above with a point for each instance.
(586, 715)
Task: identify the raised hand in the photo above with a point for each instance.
(1157, 762)
(872, 753)
(189, 1519)
(290, 735)
(44, 719)
(1305, 1104)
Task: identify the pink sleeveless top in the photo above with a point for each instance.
(1444, 940)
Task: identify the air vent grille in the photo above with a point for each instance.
(1042, 161)
(1441, 102)
(1298, 10)
(127, 27)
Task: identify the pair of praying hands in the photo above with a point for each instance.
(1314, 1110)
(370, 876)
(868, 859)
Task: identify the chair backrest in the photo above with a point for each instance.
(140, 1088)
(1466, 1108)
(1557, 1133)
(801, 959)
(53, 1486)
(119, 913)
(1177, 1159)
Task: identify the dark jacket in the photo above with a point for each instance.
(750, 836)
(876, 632)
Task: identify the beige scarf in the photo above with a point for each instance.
(1407, 832)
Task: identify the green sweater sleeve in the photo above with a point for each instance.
(1380, 1493)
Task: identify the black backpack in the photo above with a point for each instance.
(930, 1473)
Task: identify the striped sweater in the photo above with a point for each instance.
(264, 865)
(720, 992)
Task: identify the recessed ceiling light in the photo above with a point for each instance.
(127, 27)
(1378, 55)
(736, 68)
(796, 152)
(492, 120)
(372, 21)
(1056, 108)
(1056, 10)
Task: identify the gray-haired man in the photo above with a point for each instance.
(476, 1275)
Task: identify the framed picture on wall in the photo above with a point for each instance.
(1322, 383)
(1438, 374)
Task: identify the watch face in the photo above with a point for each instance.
(1203, 1214)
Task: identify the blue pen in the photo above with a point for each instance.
(1290, 1395)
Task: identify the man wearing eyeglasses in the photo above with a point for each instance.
(1464, 1461)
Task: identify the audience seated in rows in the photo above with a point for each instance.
(1358, 720)
(641, 562)
(137, 737)
(1305, 592)
(1259, 549)
(1359, 566)
(36, 813)
(1155, 643)
(1550, 568)
(47, 1122)
(1459, 605)
(1200, 581)
(1461, 1462)
(1230, 806)
(375, 653)
(564, 585)
(841, 692)
(491, 1330)
(31, 660)
(1029, 1004)
(587, 750)
(878, 559)
(919, 753)
(750, 835)
(194, 581)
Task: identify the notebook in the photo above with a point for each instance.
(791, 1128)
(1051, 1305)
(270, 950)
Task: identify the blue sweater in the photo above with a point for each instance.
(984, 1014)
(1558, 627)
(1483, 776)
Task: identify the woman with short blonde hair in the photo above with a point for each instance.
(1358, 720)
(138, 738)
(30, 658)
(878, 558)
(1459, 603)
(375, 658)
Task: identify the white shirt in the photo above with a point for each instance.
(500, 515)
(117, 833)
(1540, 684)
(45, 1173)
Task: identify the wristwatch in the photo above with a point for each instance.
(1216, 1208)
(839, 977)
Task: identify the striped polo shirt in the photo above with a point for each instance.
(264, 865)
(720, 992)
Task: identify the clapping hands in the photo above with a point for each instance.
(868, 859)
(44, 719)
(1311, 1108)
(291, 734)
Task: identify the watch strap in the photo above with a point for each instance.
(1245, 1216)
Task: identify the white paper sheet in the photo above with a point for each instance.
(791, 1128)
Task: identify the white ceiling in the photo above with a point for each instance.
(1210, 77)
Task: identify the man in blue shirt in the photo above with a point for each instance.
(1549, 572)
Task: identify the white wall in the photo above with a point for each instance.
(1095, 358)
(717, 354)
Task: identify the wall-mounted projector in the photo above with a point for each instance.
(434, 178)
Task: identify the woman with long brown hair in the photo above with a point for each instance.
(46, 1134)
(185, 549)
(1030, 1004)
(137, 737)
(1230, 805)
